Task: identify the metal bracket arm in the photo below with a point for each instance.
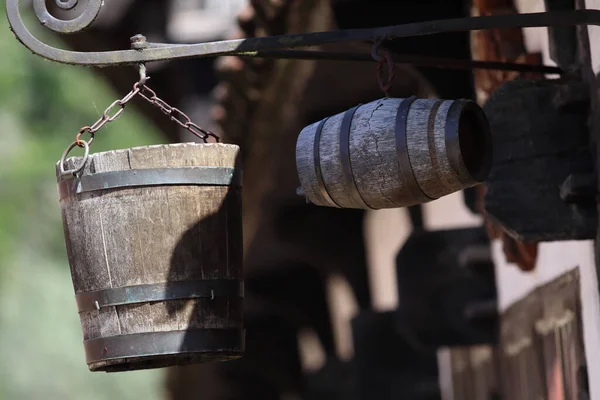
(258, 47)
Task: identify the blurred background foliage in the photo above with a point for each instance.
(42, 106)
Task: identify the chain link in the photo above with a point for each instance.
(117, 108)
(109, 115)
(176, 115)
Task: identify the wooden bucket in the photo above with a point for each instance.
(394, 153)
(154, 239)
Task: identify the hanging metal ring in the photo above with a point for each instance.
(383, 85)
(375, 51)
(75, 171)
(381, 62)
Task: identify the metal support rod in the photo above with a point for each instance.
(420, 61)
(251, 46)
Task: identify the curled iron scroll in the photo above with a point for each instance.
(84, 20)
(260, 46)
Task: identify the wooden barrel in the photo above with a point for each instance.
(154, 239)
(394, 153)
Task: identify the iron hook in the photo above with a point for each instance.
(143, 74)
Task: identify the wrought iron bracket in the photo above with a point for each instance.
(274, 46)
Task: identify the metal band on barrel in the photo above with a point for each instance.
(158, 292)
(317, 157)
(154, 344)
(345, 162)
(193, 176)
(453, 150)
(405, 167)
(453, 141)
(431, 145)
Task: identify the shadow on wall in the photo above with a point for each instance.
(211, 251)
(282, 299)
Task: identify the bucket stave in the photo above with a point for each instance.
(154, 241)
(394, 153)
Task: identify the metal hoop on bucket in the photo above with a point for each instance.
(63, 159)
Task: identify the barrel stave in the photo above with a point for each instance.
(421, 146)
(331, 169)
(373, 154)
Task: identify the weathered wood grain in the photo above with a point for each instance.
(530, 137)
(432, 135)
(542, 349)
(160, 234)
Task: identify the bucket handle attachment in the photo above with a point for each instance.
(75, 171)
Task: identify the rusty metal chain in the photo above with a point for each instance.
(173, 113)
(108, 116)
(382, 62)
(115, 110)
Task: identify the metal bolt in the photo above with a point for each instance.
(138, 42)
